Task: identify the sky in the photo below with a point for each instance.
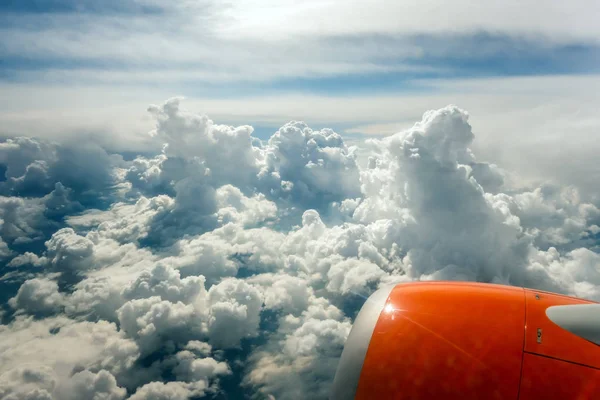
(199, 195)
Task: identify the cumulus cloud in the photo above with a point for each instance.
(226, 152)
(282, 292)
(234, 312)
(164, 391)
(67, 250)
(26, 383)
(33, 167)
(312, 168)
(150, 320)
(39, 352)
(225, 258)
(302, 356)
(576, 272)
(38, 296)
(22, 220)
(165, 282)
(234, 207)
(88, 385)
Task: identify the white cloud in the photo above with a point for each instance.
(198, 370)
(312, 166)
(164, 391)
(27, 383)
(520, 127)
(234, 207)
(222, 254)
(234, 312)
(96, 297)
(38, 296)
(190, 136)
(22, 220)
(576, 272)
(27, 258)
(40, 347)
(262, 18)
(4, 250)
(165, 282)
(151, 320)
(125, 222)
(87, 385)
(282, 292)
(352, 276)
(68, 250)
(245, 40)
(98, 294)
(302, 357)
(555, 216)
(36, 167)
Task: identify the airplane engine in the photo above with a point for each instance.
(459, 340)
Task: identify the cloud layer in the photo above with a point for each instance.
(226, 263)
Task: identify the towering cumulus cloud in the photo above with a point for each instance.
(228, 266)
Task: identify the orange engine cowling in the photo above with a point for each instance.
(459, 340)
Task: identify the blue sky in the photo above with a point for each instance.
(361, 69)
(81, 6)
(389, 69)
(196, 47)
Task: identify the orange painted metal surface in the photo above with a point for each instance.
(547, 378)
(555, 341)
(446, 340)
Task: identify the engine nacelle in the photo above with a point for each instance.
(460, 340)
